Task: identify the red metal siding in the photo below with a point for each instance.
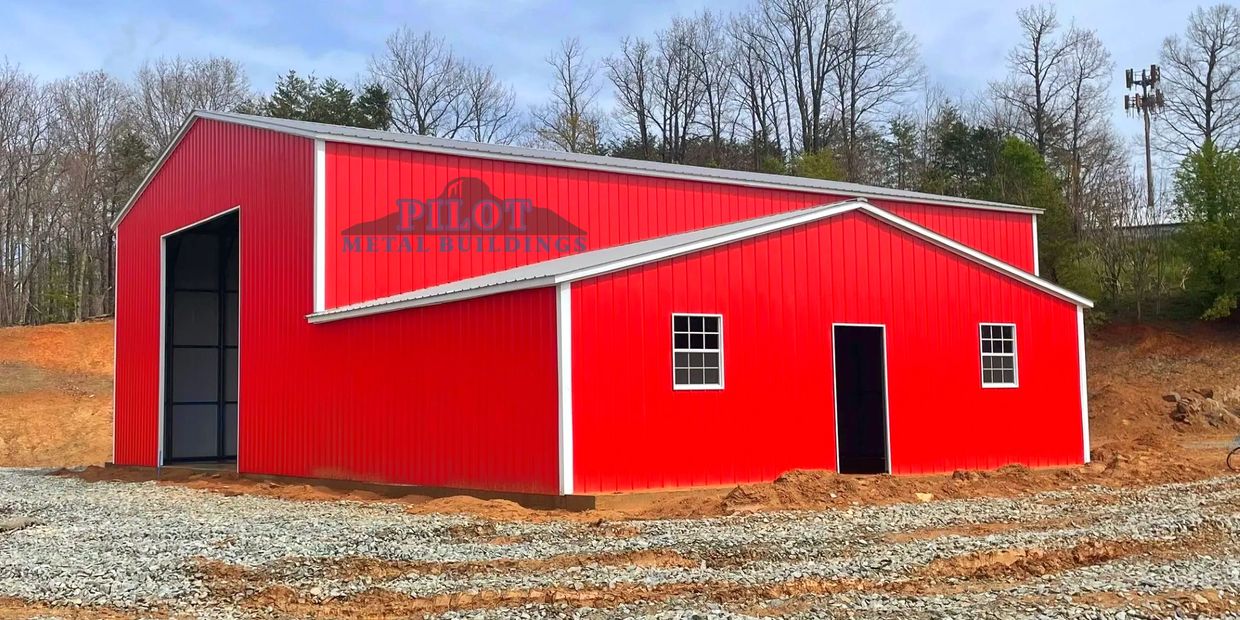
(364, 183)
(779, 295)
(459, 395)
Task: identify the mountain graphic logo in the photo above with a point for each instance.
(467, 206)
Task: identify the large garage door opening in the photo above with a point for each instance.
(201, 337)
(860, 399)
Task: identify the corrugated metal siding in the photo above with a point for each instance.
(364, 182)
(216, 168)
(455, 395)
(779, 295)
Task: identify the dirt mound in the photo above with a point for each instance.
(56, 395)
(495, 509)
(1132, 368)
(806, 489)
(230, 483)
(1023, 563)
(70, 347)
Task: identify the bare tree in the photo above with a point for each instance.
(426, 81)
(631, 72)
(877, 63)
(436, 93)
(489, 108)
(169, 89)
(1129, 242)
(678, 91)
(91, 111)
(1036, 84)
(798, 41)
(570, 121)
(26, 176)
(1088, 143)
(1201, 79)
(709, 47)
(757, 88)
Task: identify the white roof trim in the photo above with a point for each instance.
(618, 165)
(576, 267)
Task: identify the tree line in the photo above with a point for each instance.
(831, 89)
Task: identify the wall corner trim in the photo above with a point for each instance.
(1036, 269)
(1080, 352)
(564, 377)
(320, 225)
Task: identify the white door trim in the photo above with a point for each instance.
(835, 417)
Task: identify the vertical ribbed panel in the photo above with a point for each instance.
(454, 395)
(215, 168)
(779, 294)
(364, 183)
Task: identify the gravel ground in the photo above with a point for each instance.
(140, 549)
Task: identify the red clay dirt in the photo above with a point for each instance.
(1135, 441)
(56, 395)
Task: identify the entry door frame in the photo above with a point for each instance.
(161, 454)
(835, 404)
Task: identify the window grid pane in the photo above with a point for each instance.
(998, 349)
(696, 357)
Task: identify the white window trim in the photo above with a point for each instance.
(1015, 355)
(704, 386)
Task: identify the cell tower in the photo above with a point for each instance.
(1149, 102)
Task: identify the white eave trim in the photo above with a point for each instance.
(405, 300)
(380, 306)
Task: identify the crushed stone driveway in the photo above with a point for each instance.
(128, 550)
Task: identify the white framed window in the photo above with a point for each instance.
(999, 367)
(697, 351)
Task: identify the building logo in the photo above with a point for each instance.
(465, 217)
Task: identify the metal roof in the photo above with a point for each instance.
(389, 139)
(597, 262)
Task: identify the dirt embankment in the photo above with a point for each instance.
(55, 407)
(56, 395)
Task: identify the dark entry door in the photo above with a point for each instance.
(200, 390)
(860, 399)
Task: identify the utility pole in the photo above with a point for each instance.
(1149, 101)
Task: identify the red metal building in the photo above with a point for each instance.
(319, 301)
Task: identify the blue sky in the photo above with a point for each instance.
(963, 42)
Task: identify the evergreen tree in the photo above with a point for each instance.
(291, 98)
(819, 165)
(330, 102)
(327, 101)
(128, 159)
